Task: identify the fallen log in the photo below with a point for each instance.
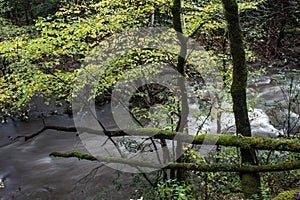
(279, 144)
(203, 167)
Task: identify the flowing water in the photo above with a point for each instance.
(28, 172)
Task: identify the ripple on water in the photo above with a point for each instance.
(46, 160)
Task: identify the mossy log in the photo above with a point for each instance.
(214, 139)
(203, 167)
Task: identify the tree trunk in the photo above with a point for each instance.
(250, 181)
(183, 114)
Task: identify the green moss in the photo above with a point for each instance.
(287, 195)
(78, 155)
(250, 184)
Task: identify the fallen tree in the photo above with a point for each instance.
(278, 144)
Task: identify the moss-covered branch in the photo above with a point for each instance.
(128, 161)
(74, 154)
(237, 141)
(215, 139)
(282, 166)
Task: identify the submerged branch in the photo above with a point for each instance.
(128, 161)
(46, 127)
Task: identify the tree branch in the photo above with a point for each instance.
(222, 139)
(203, 167)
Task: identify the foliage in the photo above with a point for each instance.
(214, 185)
(57, 49)
(57, 44)
(170, 189)
(292, 194)
(269, 25)
(218, 185)
(165, 189)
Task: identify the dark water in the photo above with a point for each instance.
(28, 172)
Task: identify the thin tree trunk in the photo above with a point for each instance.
(250, 181)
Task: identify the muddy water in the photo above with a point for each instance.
(28, 172)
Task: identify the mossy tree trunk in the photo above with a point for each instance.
(250, 181)
(183, 114)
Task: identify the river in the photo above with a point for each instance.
(28, 172)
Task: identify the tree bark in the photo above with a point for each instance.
(250, 181)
